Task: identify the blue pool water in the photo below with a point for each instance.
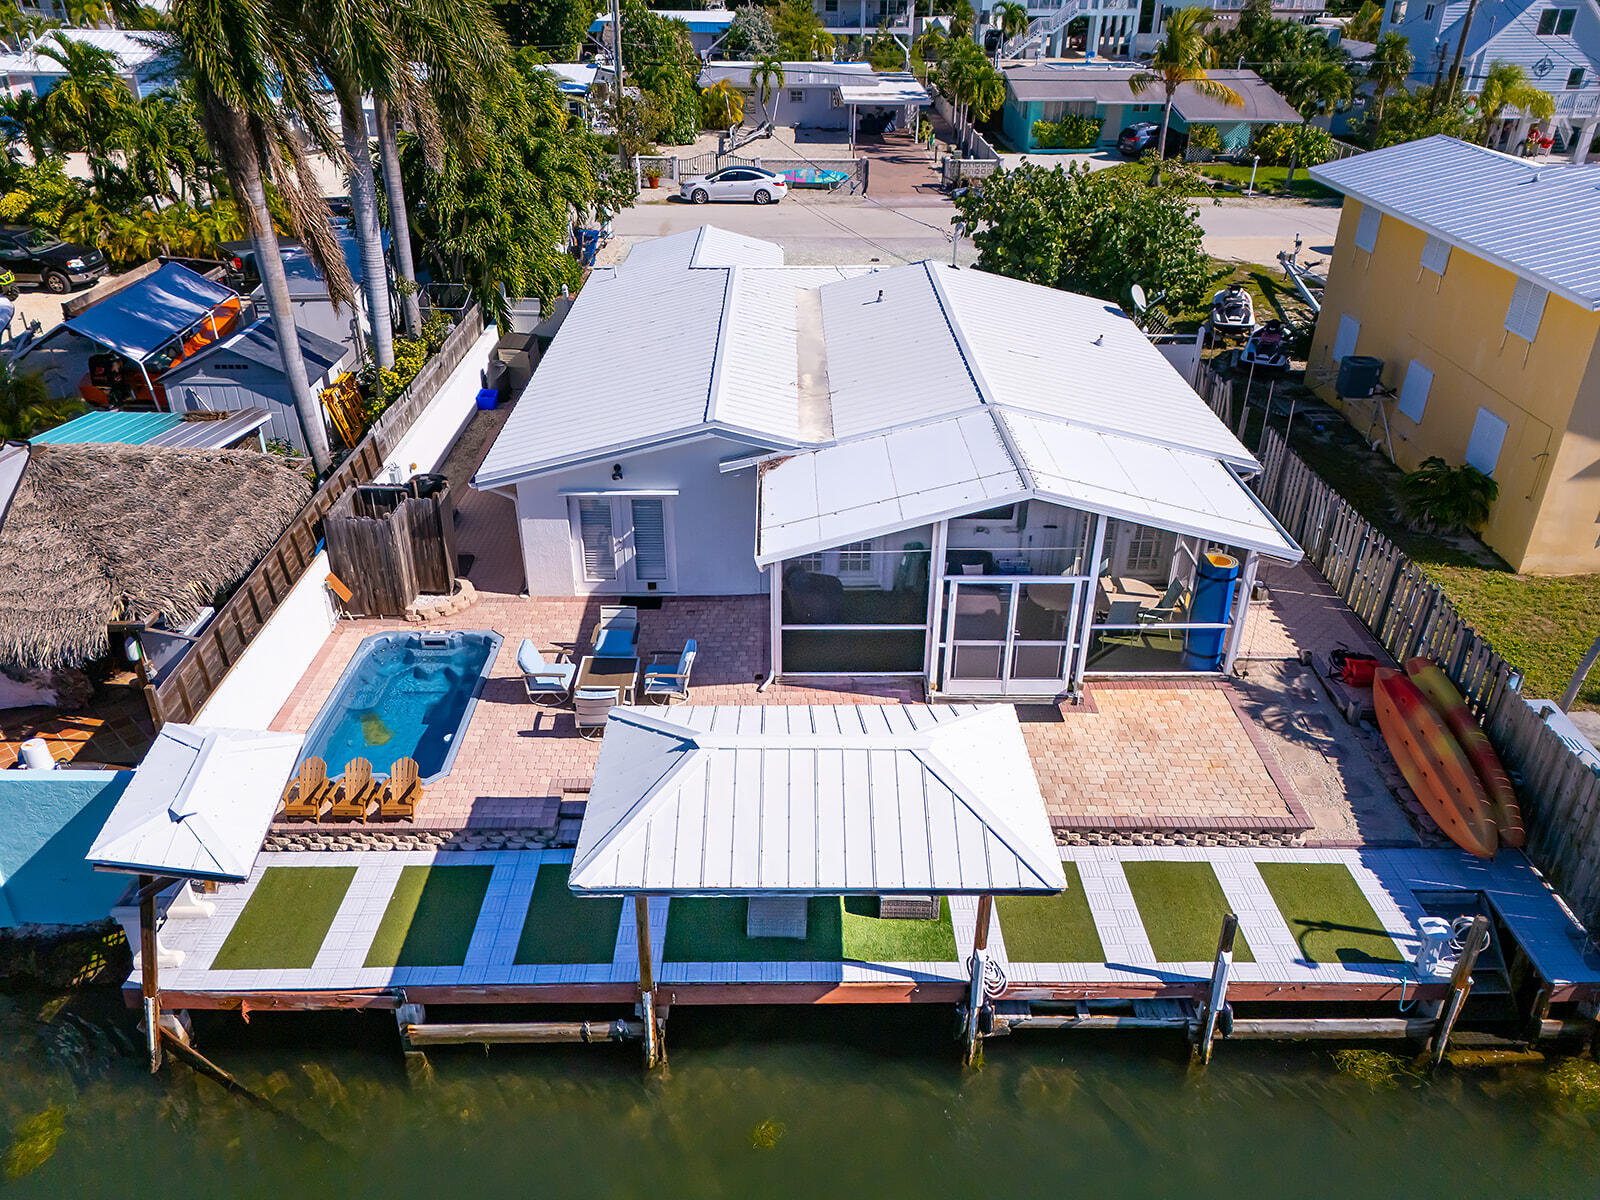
(404, 695)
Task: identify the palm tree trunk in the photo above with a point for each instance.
(399, 219)
(1161, 146)
(364, 209)
(269, 261)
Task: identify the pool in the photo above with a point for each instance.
(404, 695)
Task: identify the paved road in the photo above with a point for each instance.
(908, 229)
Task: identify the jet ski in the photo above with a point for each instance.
(1267, 348)
(1232, 312)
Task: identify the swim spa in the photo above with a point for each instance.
(404, 695)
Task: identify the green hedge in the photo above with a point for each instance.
(1072, 132)
(1276, 144)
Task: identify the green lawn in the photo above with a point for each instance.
(871, 938)
(712, 930)
(1181, 905)
(1326, 911)
(563, 928)
(1271, 181)
(285, 919)
(1050, 929)
(1270, 291)
(430, 917)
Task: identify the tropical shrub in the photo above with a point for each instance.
(1205, 137)
(379, 389)
(721, 106)
(750, 35)
(1437, 497)
(1072, 132)
(1276, 144)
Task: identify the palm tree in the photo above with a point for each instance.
(930, 48)
(147, 137)
(1507, 86)
(986, 91)
(1387, 70)
(1182, 58)
(766, 76)
(1314, 92)
(251, 73)
(24, 116)
(86, 99)
(1012, 17)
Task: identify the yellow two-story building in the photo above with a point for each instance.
(1475, 278)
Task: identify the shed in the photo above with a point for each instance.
(245, 372)
(186, 430)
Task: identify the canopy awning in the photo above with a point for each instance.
(815, 800)
(144, 316)
(199, 804)
(169, 429)
(894, 88)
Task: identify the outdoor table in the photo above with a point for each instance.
(619, 673)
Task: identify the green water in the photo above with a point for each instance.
(852, 1104)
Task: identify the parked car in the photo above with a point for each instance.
(34, 256)
(1133, 141)
(736, 183)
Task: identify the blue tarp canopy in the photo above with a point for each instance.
(144, 316)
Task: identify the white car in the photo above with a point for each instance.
(736, 183)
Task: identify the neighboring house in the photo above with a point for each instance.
(707, 28)
(140, 64)
(862, 18)
(1050, 91)
(1226, 13)
(1473, 276)
(823, 95)
(576, 81)
(308, 291)
(1557, 42)
(1110, 29)
(920, 485)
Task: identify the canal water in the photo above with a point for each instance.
(764, 1105)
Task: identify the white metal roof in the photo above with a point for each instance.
(573, 78)
(1537, 220)
(199, 804)
(896, 88)
(133, 50)
(815, 800)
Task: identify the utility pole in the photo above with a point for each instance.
(616, 67)
(1461, 45)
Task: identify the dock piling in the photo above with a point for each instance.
(150, 984)
(654, 1052)
(1218, 1000)
(971, 1054)
(1460, 987)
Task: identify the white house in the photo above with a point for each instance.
(140, 62)
(921, 481)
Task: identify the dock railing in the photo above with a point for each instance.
(1411, 615)
(190, 683)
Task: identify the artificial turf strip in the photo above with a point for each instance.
(430, 917)
(1326, 911)
(712, 930)
(285, 919)
(1181, 906)
(563, 928)
(871, 938)
(1050, 929)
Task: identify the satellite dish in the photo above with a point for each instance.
(1138, 297)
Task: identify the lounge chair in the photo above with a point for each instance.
(666, 676)
(307, 792)
(617, 635)
(1168, 608)
(1123, 612)
(355, 794)
(398, 801)
(546, 679)
(590, 708)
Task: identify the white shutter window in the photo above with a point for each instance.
(1436, 254)
(1526, 310)
(1488, 435)
(1367, 229)
(1344, 343)
(594, 533)
(649, 540)
(1414, 391)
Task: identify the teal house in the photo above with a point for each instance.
(1051, 91)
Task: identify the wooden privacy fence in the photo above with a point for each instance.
(187, 687)
(1410, 615)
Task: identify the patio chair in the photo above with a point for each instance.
(398, 802)
(666, 675)
(305, 794)
(617, 635)
(1169, 607)
(590, 708)
(1123, 612)
(355, 793)
(545, 679)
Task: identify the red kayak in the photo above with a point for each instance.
(1433, 763)
(1435, 685)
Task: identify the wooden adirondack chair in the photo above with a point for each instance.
(401, 793)
(355, 794)
(306, 793)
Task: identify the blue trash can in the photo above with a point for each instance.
(1212, 605)
(488, 398)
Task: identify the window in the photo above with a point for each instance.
(650, 563)
(594, 533)
(1427, 13)
(1367, 229)
(1526, 309)
(623, 543)
(1344, 343)
(855, 558)
(811, 562)
(796, 96)
(831, 6)
(1436, 254)
(1144, 550)
(1398, 12)
(1575, 77)
(1488, 435)
(1414, 391)
(1556, 22)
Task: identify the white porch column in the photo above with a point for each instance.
(1092, 570)
(775, 618)
(1586, 136)
(1519, 134)
(1241, 611)
(930, 658)
(1091, 45)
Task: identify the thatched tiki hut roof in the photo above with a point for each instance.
(100, 533)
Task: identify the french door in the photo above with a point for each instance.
(1011, 636)
(623, 543)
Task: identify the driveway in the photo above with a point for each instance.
(1255, 230)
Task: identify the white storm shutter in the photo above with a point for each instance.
(1344, 343)
(1436, 254)
(1367, 228)
(649, 540)
(1488, 435)
(594, 531)
(1414, 391)
(1526, 310)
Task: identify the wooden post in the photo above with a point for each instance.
(970, 1053)
(654, 1052)
(1219, 985)
(1460, 986)
(148, 958)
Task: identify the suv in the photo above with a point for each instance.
(1133, 141)
(35, 256)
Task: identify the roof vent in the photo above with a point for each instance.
(1101, 340)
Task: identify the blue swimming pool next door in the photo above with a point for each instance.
(1011, 636)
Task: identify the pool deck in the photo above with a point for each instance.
(1388, 879)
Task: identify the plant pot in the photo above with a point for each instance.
(653, 180)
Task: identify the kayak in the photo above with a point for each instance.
(1433, 763)
(1434, 684)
